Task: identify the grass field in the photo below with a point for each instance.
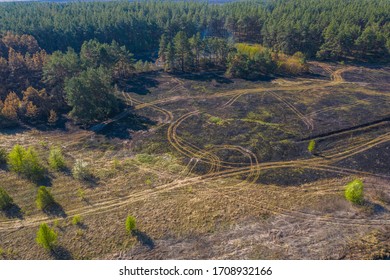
(214, 168)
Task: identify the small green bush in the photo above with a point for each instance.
(216, 120)
(5, 200)
(116, 163)
(81, 170)
(81, 194)
(354, 192)
(15, 158)
(56, 159)
(45, 199)
(3, 156)
(26, 162)
(77, 220)
(130, 224)
(32, 168)
(46, 237)
(311, 146)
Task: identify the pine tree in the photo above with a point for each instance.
(91, 95)
(182, 50)
(46, 237)
(371, 42)
(196, 45)
(16, 158)
(170, 58)
(11, 106)
(44, 200)
(130, 224)
(26, 163)
(32, 167)
(163, 48)
(32, 111)
(53, 117)
(56, 158)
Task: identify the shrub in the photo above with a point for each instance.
(25, 162)
(46, 237)
(81, 194)
(311, 146)
(130, 224)
(116, 163)
(354, 192)
(216, 120)
(45, 199)
(5, 200)
(77, 220)
(32, 168)
(15, 158)
(81, 170)
(56, 159)
(3, 156)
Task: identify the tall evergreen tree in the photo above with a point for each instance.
(182, 50)
(91, 95)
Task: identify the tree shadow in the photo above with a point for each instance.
(13, 130)
(24, 126)
(13, 212)
(265, 78)
(205, 77)
(55, 210)
(82, 226)
(44, 181)
(123, 128)
(144, 239)
(92, 181)
(140, 83)
(66, 170)
(375, 208)
(61, 253)
(382, 257)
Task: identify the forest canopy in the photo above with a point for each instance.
(327, 29)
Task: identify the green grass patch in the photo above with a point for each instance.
(216, 120)
(77, 220)
(261, 122)
(145, 158)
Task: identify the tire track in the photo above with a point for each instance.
(301, 116)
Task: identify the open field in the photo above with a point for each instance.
(214, 168)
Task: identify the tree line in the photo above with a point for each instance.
(328, 29)
(241, 60)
